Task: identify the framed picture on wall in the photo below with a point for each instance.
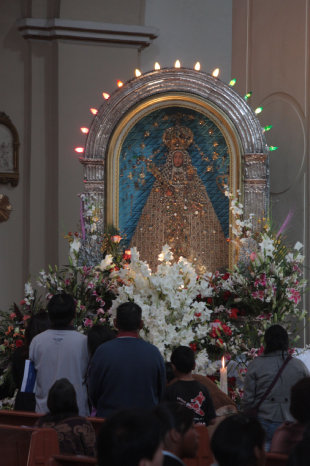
(9, 146)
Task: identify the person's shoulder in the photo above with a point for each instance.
(41, 337)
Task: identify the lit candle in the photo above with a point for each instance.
(223, 377)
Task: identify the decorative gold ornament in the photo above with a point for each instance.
(178, 137)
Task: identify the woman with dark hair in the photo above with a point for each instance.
(290, 433)
(25, 401)
(76, 435)
(239, 441)
(269, 380)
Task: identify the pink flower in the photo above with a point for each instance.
(88, 322)
(26, 317)
(253, 256)
(294, 295)
(13, 315)
(100, 311)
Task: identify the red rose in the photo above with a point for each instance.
(22, 302)
(226, 329)
(233, 314)
(226, 276)
(210, 300)
(193, 346)
(19, 343)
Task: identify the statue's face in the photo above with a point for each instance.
(178, 159)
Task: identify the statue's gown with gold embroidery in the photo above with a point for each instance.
(178, 212)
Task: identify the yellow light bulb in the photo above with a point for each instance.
(197, 66)
(216, 73)
(177, 64)
(137, 73)
(157, 66)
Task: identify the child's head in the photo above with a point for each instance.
(62, 398)
(239, 439)
(179, 433)
(183, 359)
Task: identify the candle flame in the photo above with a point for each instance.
(137, 73)
(223, 362)
(79, 150)
(197, 66)
(120, 83)
(177, 64)
(84, 130)
(94, 111)
(105, 95)
(157, 66)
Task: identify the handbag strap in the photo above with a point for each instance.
(273, 382)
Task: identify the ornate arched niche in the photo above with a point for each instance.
(148, 124)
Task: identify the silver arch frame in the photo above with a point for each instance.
(241, 118)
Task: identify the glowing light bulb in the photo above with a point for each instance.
(272, 148)
(267, 128)
(216, 73)
(232, 82)
(248, 95)
(197, 66)
(79, 150)
(105, 95)
(94, 111)
(137, 73)
(84, 130)
(177, 64)
(258, 110)
(157, 66)
(120, 83)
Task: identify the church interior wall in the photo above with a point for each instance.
(47, 88)
(270, 57)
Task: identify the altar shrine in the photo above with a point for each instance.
(161, 154)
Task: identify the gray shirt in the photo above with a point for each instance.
(261, 372)
(57, 354)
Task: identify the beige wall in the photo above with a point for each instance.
(271, 57)
(47, 87)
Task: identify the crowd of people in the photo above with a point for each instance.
(150, 406)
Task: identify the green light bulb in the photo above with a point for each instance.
(258, 110)
(272, 148)
(232, 82)
(248, 95)
(267, 128)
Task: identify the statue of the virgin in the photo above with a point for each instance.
(178, 211)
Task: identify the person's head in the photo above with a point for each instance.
(36, 324)
(300, 454)
(239, 439)
(300, 400)
(128, 317)
(130, 437)
(178, 158)
(62, 398)
(180, 436)
(183, 360)
(98, 334)
(61, 310)
(276, 339)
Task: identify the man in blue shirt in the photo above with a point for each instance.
(126, 372)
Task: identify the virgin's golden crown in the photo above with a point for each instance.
(178, 137)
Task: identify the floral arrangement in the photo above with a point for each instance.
(217, 314)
